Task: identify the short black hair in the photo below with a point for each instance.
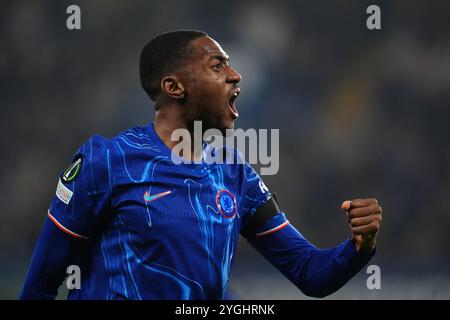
(164, 54)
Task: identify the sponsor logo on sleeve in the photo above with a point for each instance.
(63, 193)
(263, 187)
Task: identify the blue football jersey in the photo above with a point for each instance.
(153, 229)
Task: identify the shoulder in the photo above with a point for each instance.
(93, 148)
(96, 142)
(240, 161)
(233, 162)
(93, 156)
(135, 139)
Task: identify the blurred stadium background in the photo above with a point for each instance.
(360, 113)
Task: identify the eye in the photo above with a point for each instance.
(217, 66)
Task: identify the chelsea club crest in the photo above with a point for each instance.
(226, 202)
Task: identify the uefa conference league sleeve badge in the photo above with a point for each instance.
(73, 170)
(62, 192)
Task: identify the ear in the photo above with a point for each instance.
(173, 87)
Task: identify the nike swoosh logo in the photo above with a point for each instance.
(150, 198)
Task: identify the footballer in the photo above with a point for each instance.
(141, 227)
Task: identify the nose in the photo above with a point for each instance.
(234, 76)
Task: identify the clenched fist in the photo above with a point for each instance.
(364, 218)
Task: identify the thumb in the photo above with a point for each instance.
(346, 205)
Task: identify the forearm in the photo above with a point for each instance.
(326, 271)
(316, 272)
(53, 253)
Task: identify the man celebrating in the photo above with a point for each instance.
(141, 227)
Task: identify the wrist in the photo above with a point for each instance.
(364, 247)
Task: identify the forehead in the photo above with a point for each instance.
(206, 48)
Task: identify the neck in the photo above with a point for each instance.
(167, 120)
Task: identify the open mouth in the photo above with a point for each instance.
(232, 105)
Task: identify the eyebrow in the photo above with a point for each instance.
(220, 57)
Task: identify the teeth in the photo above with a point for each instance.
(235, 94)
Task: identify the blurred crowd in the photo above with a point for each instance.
(360, 112)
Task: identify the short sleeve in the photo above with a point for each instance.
(83, 191)
(255, 194)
